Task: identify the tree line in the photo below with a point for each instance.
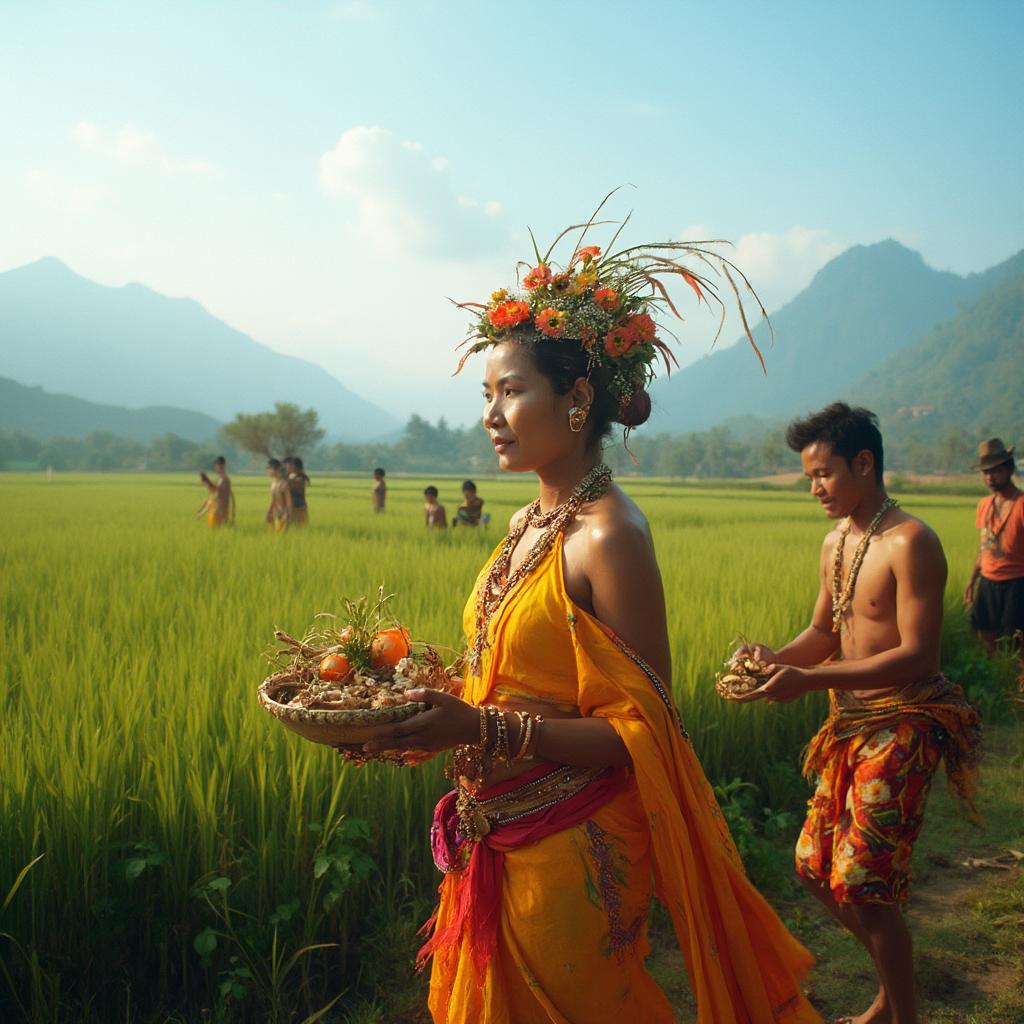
(424, 447)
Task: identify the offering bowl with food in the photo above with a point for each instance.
(744, 673)
(344, 682)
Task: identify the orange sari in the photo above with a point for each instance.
(573, 916)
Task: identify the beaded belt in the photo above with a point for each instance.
(477, 816)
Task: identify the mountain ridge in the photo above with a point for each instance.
(132, 346)
(865, 304)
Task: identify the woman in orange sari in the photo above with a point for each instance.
(578, 794)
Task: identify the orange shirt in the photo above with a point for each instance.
(1002, 539)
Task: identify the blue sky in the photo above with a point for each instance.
(322, 175)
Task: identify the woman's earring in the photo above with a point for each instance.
(577, 418)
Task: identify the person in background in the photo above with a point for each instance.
(470, 512)
(380, 490)
(219, 505)
(995, 593)
(297, 481)
(279, 514)
(433, 511)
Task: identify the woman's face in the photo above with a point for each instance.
(527, 422)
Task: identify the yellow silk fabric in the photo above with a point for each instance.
(571, 937)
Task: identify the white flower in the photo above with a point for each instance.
(878, 742)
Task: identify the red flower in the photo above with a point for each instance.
(508, 314)
(587, 253)
(642, 327)
(538, 277)
(606, 298)
(550, 322)
(618, 340)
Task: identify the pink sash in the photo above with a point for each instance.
(478, 893)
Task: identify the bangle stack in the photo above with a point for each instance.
(474, 761)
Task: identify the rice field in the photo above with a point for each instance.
(189, 847)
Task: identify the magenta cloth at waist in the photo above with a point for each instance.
(478, 884)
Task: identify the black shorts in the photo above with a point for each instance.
(999, 606)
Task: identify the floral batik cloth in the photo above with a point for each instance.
(867, 812)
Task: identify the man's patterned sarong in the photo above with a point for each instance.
(874, 759)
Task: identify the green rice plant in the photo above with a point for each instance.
(135, 760)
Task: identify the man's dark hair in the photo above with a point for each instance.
(273, 464)
(378, 471)
(468, 485)
(220, 461)
(848, 431)
(430, 492)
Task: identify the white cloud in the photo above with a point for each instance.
(778, 265)
(405, 199)
(133, 147)
(86, 134)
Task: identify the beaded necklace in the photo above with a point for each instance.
(843, 595)
(499, 580)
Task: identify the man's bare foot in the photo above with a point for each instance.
(877, 1013)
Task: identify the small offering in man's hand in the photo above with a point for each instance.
(743, 674)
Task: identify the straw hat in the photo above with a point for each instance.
(993, 453)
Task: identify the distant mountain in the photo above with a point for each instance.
(965, 374)
(861, 307)
(38, 413)
(133, 347)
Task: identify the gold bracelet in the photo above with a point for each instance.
(525, 732)
(501, 750)
(530, 750)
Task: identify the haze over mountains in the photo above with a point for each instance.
(133, 347)
(862, 307)
(927, 349)
(35, 412)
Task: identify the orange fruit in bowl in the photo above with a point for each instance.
(334, 668)
(389, 647)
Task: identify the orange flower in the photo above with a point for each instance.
(587, 253)
(606, 298)
(508, 314)
(642, 327)
(560, 282)
(618, 340)
(538, 277)
(585, 279)
(551, 322)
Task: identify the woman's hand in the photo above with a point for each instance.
(449, 723)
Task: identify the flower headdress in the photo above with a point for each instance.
(607, 302)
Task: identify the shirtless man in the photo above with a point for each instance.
(873, 641)
(380, 490)
(434, 514)
(220, 502)
(279, 515)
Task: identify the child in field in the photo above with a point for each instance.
(433, 511)
(297, 482)
(279, 514)
(470, 512)
(380, 490)
(219, 505)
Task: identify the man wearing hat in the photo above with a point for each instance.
(995, 593)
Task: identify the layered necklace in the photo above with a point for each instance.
(992, 531)
(842, 594)
(500, 580)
